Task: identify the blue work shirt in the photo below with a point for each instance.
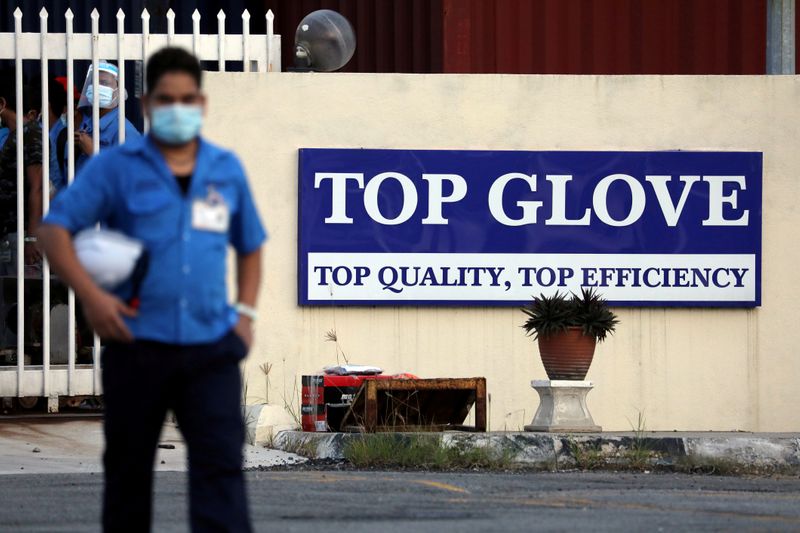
(109, 133)
(4, 132)
(57, 179)
(131, 189)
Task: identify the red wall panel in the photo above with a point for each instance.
(545, 36)
(605, 36)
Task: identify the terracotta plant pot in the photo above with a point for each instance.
(567, 355)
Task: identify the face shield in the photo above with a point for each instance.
(108, 91)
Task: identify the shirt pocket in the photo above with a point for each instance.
(154, 218)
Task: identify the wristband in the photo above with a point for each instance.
(246, 310)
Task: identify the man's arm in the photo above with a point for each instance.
(34, 181)
(104, 311)
(248, 280)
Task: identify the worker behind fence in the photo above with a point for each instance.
(32, 181)
(108, 95)
(185, 200)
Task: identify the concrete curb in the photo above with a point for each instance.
(749, 450)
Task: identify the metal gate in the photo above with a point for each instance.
(259, 53)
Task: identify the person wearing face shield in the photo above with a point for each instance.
(186, 200)
(107, 94)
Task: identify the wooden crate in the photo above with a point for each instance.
(417, 405)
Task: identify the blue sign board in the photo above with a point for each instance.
(457, 227)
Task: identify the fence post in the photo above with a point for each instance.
(71, 322)
(221, 39)
(780, 37)
(270, 31)
(170, 26)
(121, 66)
(245, 41)
(96, 149)
(196, 33)
(45, 201)
(20, 204)
(145, 47)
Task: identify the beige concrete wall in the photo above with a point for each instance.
(685, 369)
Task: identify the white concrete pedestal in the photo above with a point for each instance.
(562, 406)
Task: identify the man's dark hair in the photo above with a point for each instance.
(8, 89)
(31, 92)
(172, 59)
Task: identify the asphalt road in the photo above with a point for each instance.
(305, 500)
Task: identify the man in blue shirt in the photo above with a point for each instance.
(57, 119)
(186, 200)
(108, 95)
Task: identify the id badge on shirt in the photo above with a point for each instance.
(211, 213)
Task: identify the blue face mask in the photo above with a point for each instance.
(176, 123)
(106, 96)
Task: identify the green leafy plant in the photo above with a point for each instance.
(549, 315)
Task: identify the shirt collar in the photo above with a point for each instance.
(109, 119)
(146, 146)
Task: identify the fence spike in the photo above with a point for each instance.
(145, 15)
(95, 15)
(170, 26)
(43, 13)
(246, 40)
(121, 74)
(71, 344)
(270, 16)
(196, 32)
(221, 39)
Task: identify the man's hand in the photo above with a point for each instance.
(244, 328)
(83, 141)
(32, 254)
(104, 313)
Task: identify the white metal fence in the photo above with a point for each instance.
(256, 52)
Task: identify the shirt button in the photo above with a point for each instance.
(186, 269)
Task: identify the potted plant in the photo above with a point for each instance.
(567, 328)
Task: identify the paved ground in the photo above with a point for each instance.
(417, 501)
(50, 481)
(69, 445)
